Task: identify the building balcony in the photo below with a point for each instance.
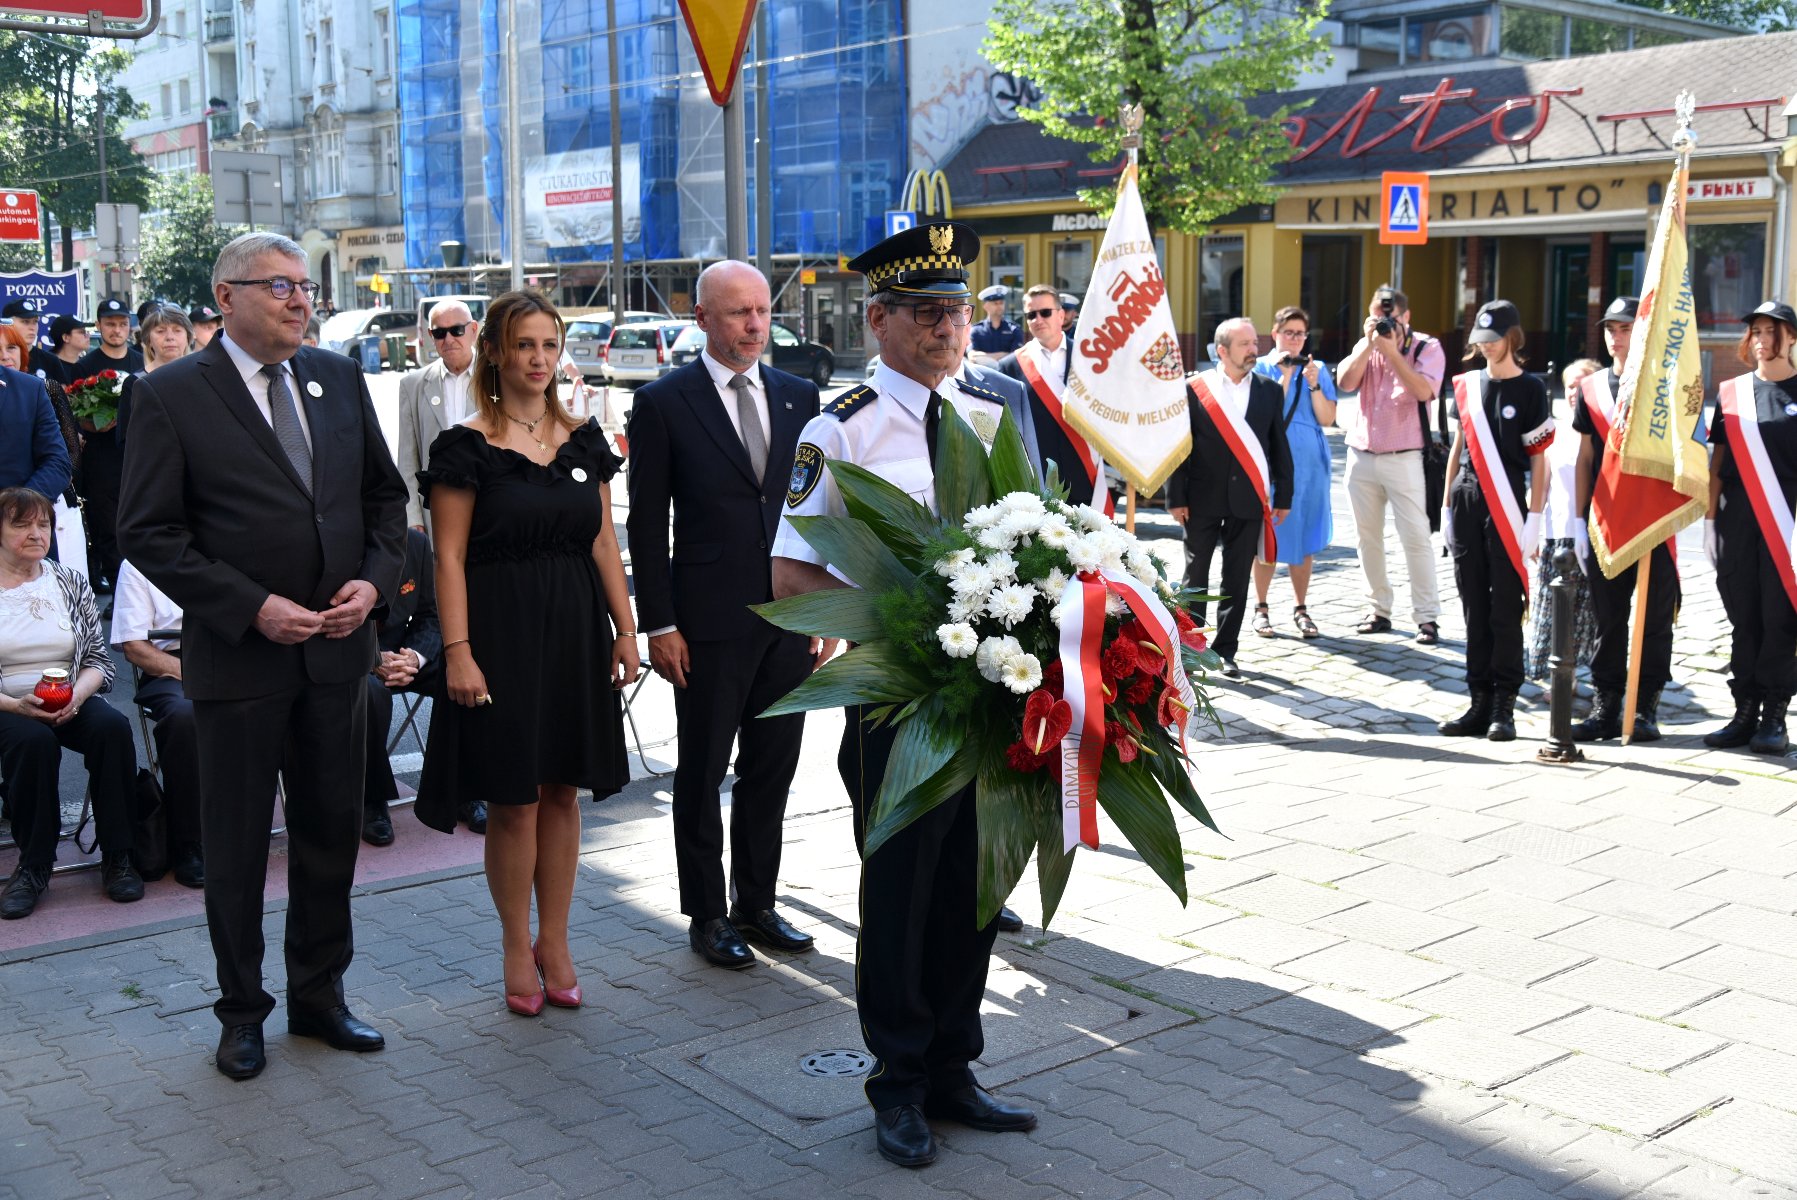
(220, 27)
(347, 211)
(222, 124)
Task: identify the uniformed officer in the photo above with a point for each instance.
(921, 958)
(1753, 485)
(1593, 410)
(1506, 426)
(997, 335)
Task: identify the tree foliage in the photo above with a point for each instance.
(1194, 65)
(60, 94)
(1769, 16)
(181, 241)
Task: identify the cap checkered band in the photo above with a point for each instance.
(878, 278)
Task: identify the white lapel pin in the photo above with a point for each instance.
(580, 474)
(313, 390)
(789, 406)
(436, 399)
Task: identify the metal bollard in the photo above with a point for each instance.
(1560, 747)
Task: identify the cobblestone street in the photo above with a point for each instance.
(1416, 967)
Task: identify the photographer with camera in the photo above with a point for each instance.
(1309, 408)
(1397, 371)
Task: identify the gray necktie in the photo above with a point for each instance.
(754, 441)
(285, 418)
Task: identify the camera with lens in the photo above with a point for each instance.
(1386, 325)
(1295, 360)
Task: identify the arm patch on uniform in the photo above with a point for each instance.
(807, 469)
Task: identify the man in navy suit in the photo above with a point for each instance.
(32, 452)
(713, 442)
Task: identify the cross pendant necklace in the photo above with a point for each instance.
(530, 427)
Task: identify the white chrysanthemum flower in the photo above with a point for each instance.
(1053, 585)
(966, 608)
(1022, 524)
(979, 518)
(1023, 502)
(1093, 519)
(974, 579)
(1022, 673)
(1141, 564)
(958, 640)
(994, 653)
(946, 567)
(1113, 604)
(1011, 603)
(1084, 554)
(1002, 566)
(1055, 533)
(997, 537)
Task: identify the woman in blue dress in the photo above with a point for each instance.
(1309, 408)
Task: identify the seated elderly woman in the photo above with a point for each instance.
(49, 625)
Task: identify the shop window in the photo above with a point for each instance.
(1329, 290)
(1728, 265)
(1597, 37)
(1073, 266)
(1528, 34)
(1449, 36)
(1380, 44)
(1004, 264)
(1219, 286)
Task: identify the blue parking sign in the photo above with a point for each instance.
(898, 220)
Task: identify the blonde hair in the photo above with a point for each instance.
(1576, 370)
(493, 349)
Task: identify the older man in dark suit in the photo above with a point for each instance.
(1235, 486)
(260, 496)
(714, 441)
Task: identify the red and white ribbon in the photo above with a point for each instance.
(1050, 397)
(1747, 446)
(1239, 436)
(1494, 481)
(1082, 647)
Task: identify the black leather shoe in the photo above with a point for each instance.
(22, 892)
(120, 879)
(474, 816)
(240, 1054)
(718, 943)
(904, 1137)
(337, 1028)
(976, 1108)
(377, 826)
(1230, 670)
(1009, 922)
(189, 866)
(770, 929)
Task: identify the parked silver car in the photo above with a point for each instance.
(639, 353)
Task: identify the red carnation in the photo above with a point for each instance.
(1054, 678)
(1023, 760)
(1046, 720)
(1121, 659)
(1139, 691)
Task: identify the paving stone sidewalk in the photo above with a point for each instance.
(1415, 968)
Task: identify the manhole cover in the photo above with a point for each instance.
(836, 1064)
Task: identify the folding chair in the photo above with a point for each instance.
(635, 734)
(409, 703)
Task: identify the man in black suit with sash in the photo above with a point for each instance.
(1235, 486)
(1043, 365)
(260, 496)
(713, 441)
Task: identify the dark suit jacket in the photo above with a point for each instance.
(32, 452)
(686, 455)
(1017, 400)
(411, 621)
(1048, 432)
(214, 514)
(1211, 482)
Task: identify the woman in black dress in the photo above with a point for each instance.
(1506, 424)
(1753, 485)
(530, 586)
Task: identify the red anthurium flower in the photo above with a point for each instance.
(1189, 633)
(1171, 710)
(1116, 735)
(1147, 652)
(1046, 720)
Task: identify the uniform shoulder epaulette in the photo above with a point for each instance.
(980, 392)
(852, 401)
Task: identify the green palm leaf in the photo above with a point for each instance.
(855, 550)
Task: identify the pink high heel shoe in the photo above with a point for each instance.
(560, 997)
(525, 1006)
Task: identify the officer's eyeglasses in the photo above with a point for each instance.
(280, 289)
(1041, 314)
(929, 314)
(442, 331)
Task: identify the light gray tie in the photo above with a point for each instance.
(285, 418)
(754, 441)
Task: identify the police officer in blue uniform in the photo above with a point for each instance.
(921, 958)
(997, 335)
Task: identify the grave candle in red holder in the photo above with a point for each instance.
(55, 690)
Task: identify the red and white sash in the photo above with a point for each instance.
(1600, 404)
(1741, 417)
(1494, 481)
(1248, 452)
(1050, 397)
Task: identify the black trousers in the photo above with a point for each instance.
(1611, 600)
(1762, 652)
(31, 762)
(378, 785)
(178, 752)
(920, 960)
(102, 464)
(313, 736)
(1239, 537)
(729, 683)
(1492, 595)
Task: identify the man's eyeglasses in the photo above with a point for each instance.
(280, 289)
(1041, 314)
(442, 331)
(1293, 333)
(929, 314)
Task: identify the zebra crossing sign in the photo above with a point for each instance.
(1404, 208)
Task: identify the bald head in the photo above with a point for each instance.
(733, 308)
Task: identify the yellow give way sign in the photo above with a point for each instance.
(719, 29)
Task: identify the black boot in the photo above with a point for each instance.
(1503, 717)
(1647, 718)
(1603, 722)
(1739, 730)
(1771, 739)
(1474, 721)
